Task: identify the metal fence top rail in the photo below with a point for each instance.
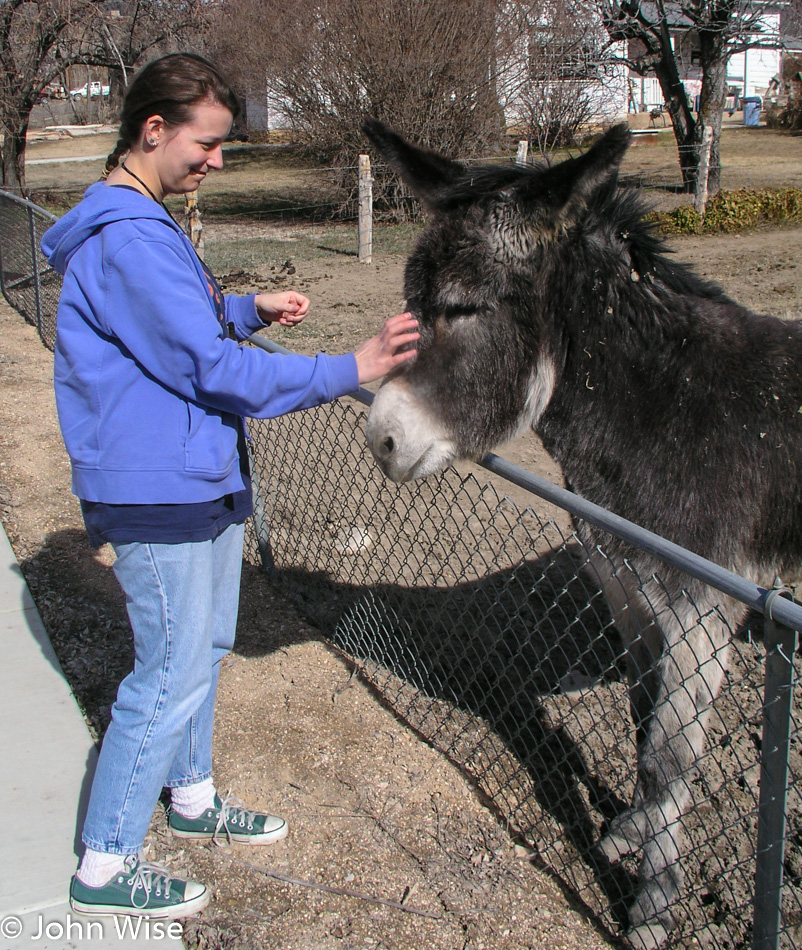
(28, 204)
(768, 602)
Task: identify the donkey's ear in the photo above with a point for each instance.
(571, 182)
(425, 172)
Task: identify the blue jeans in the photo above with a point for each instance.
(182, 603)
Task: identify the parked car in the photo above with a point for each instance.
(94, 89)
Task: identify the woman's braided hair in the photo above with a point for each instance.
(170, 87)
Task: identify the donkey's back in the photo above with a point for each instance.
(676, 407)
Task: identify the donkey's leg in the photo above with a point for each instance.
(637, 621)
(677, 655)
(688, 678)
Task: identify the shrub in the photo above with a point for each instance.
(683, 220)
(731, 211)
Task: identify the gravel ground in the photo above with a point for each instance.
(390, 846)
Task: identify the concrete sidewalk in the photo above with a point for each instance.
(48, 761)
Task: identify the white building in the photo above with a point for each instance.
(749, 71)
(560, 66)
(752, 70)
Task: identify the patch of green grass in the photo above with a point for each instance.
(396, 238)
(273, 182)
(247, 254)
(57, 202)
(256, 201)
(238, 155)
(262, 253)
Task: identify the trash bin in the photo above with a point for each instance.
(751, 106)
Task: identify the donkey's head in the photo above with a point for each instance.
(487, 364)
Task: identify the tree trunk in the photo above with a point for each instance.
(13, 160)
(682, 120)
(679, 110)
(711, 100)
(688, 131)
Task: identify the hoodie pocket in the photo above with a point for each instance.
(211, 441)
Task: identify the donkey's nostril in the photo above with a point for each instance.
(388, 446)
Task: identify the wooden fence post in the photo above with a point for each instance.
(365, 211)
(194, 226)
(520, 157)
(700, 202)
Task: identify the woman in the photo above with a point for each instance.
(151, 388)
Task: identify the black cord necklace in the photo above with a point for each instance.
(125, 168)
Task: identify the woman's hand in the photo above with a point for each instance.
(383, 352)
(287, 308)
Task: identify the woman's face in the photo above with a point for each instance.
(186, 153)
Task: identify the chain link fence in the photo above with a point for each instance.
(480, 621)
(27, 281)
(478, 617)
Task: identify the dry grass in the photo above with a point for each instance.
(275, 183)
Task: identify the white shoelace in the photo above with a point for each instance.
(233, 813)
(150, 878)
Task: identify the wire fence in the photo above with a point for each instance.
(27, 281)
(330, 193)
(481, 622)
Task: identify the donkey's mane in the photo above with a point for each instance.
(609, 209)
(620, 210)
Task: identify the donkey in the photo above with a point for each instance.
(546, 302)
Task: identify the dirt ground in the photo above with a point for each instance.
(390, 846)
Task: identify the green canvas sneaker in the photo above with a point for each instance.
(141, 890)
(229, 822)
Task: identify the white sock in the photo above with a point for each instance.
(98, 867)
(191, 801)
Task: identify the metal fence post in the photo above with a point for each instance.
(781, 644)
(259, 519)
(35, 268)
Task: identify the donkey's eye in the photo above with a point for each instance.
(454, 313)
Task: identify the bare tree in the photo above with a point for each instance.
(560, 85)
(40, 39)
(719, 29)
(428, 68)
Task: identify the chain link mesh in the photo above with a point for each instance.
(27, 282)
(480, 624)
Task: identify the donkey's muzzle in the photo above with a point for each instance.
(406, 439)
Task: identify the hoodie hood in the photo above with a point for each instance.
(102, 204)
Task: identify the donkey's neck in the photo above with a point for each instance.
(644, 371)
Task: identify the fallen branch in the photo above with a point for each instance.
(342, 891)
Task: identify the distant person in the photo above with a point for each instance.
(151, 388)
